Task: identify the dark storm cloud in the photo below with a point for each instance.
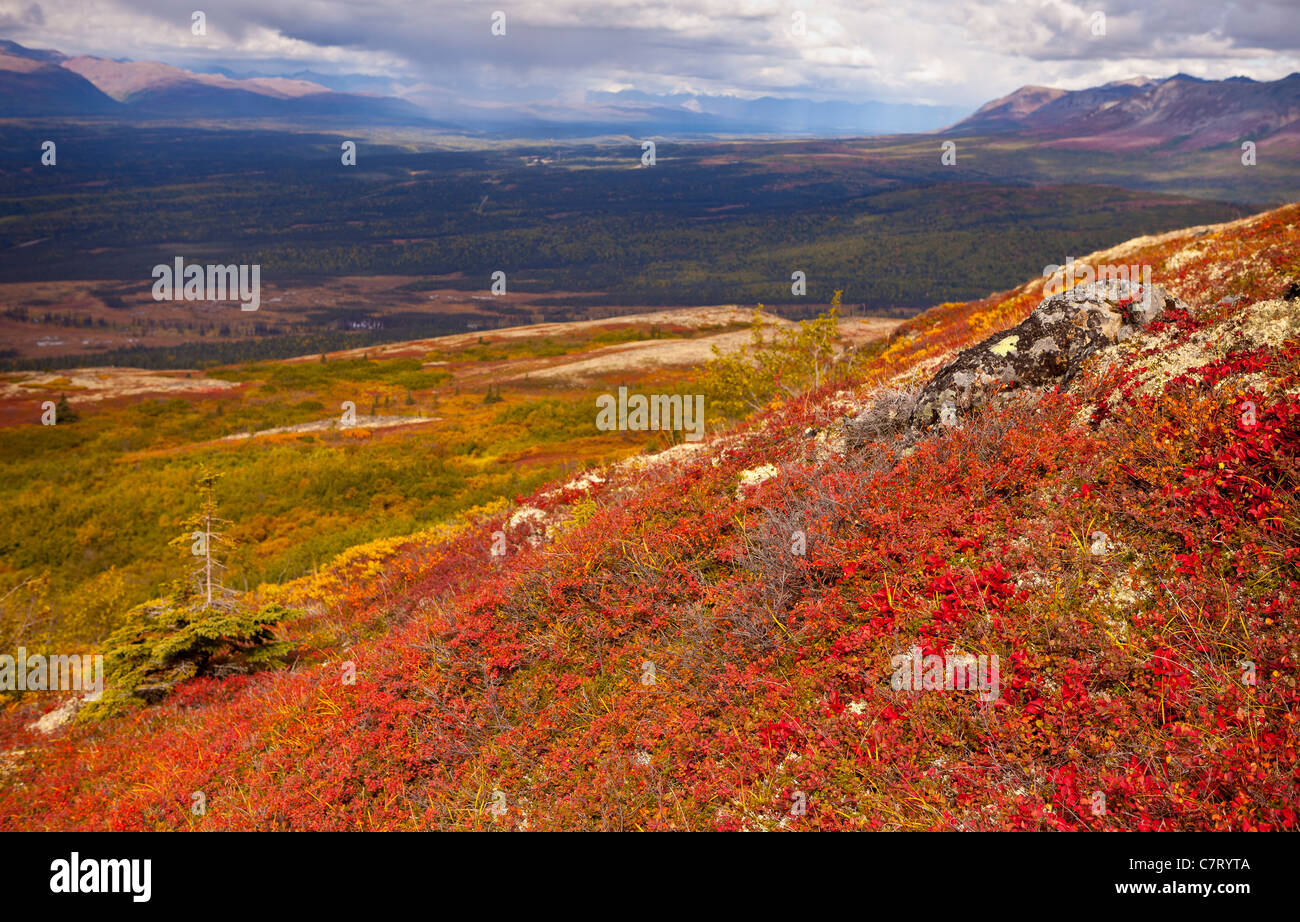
(557, 50)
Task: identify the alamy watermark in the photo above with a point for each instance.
(193, 282)
(1071, 278)
(654, 412)
(38, 672)
(103, 875)
(946, 672)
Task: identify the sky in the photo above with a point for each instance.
(554, 52)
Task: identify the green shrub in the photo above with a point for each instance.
(786, 363)
(166, 641)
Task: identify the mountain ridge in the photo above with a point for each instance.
(1185, 112)
(1180, 111)
(62, 85)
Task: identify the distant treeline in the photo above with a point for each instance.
(208, 352)
(695, 229)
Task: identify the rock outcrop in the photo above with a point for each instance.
(61, 715)
(1047, 348)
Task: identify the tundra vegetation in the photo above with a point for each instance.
(1148, 676)
(93, 502)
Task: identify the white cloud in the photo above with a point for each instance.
(954, 52)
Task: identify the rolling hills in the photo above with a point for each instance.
(713, 636)
(442, 424)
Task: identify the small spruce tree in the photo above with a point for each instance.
(200, 628)
(63, 411)
(205, 536)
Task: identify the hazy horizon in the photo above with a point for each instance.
(557, 58)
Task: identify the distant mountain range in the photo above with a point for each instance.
(47, 83)
(770, 115)
(1179, 112)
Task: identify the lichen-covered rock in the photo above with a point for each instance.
(1047, 348)
(754, 476)
(56, 718)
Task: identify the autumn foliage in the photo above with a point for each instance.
(651, 653)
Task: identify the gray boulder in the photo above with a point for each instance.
(1046, 349)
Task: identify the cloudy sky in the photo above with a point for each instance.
(951, 52)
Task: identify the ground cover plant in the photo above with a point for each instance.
(708, 637)
(93, 502)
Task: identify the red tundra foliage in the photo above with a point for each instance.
(664, 660)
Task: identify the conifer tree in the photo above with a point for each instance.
(206, 539)
(63, 411)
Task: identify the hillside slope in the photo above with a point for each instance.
(1180, 112)
(654, 652)
(35, 85)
